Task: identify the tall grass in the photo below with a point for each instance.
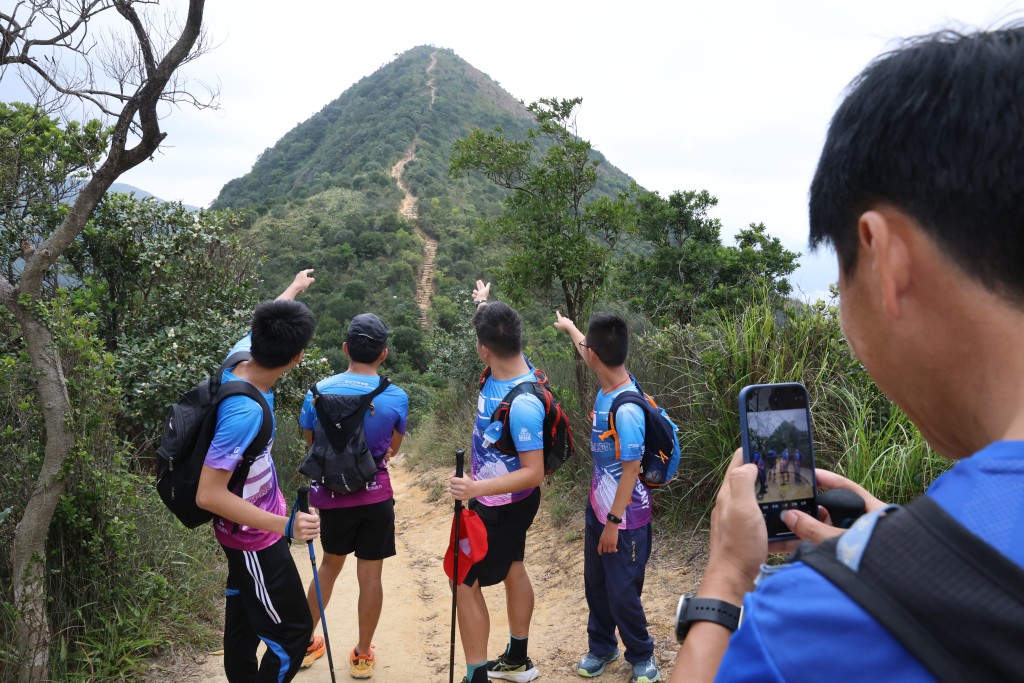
(696, 374)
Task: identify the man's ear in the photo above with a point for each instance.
(344, 349)
(885, 246)
(383, 356)
(298, 357)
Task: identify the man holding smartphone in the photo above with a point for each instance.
(920, 190)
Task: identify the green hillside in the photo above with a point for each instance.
(354, 141)
(326, 196)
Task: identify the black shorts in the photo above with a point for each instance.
(367, 530)
(506, 538)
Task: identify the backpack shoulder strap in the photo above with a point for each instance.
(619, 401)
(923, 577)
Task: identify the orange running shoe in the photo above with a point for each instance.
(315, 651)
(362, 665)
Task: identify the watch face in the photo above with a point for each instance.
(682, 627)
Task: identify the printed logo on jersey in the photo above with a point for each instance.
(524, 434)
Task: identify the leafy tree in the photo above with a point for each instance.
(681, 270)
(49, 45)
(561, 235)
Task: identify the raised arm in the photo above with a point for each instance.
(569, 327)
(303, 279)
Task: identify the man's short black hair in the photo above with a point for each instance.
(934, 129)
(280, 330)
(608, 337)
(499, 328)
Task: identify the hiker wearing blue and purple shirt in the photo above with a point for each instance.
(618, 516)
(264, 592)
(920, 191)
(505, 488)
(361, 522)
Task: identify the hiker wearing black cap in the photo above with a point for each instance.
(363, 521)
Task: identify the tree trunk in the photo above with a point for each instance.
(29, 550)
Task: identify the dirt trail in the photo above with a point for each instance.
(407, 208)
(412, 639)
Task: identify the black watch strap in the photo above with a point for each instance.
(613, 519)
(693, 609)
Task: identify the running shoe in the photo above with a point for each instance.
(592, 665)
(506, 669)
(361, 665)
(315, 651)
(646, 671)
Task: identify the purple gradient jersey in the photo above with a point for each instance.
(238, 422)
(526, 420)
(629, 423)
(389, 414)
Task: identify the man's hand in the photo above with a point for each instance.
(307, 526)
(303, 279)
(482, 291)
(462, 488)
(388, 454)
(609, 541)
(817, 530)
(564, 324)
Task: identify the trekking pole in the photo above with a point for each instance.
(302, 503)
(460, 456)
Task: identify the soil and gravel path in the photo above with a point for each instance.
(407, 209)
(412, 640)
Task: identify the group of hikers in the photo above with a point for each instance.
(502, 487)
(920, 190)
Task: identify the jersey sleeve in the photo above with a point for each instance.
(243, 344)
(630, 424)
(402, 407)
(238, 422)
(307, 415)
(526, 421)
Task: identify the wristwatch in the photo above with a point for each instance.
(691, 609)
(613, 519)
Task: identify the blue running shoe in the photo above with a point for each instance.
(646, 671)
(592, 665)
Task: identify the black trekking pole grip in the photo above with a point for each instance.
(302, 499)
(460, 462)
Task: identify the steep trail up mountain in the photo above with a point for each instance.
(412, 636)
(425, 278)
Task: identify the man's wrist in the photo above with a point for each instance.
(724, 585)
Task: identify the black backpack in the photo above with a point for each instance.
(954, 601)
(187, 434)
(661, 456)
(339, 457)
(558, 442)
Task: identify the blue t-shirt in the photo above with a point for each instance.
(238, 422)
(526, 420)
(389, 413)
(629, 423)
(797, 625)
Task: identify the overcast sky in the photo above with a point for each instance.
(730, 96)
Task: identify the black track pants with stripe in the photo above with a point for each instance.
(265, 601)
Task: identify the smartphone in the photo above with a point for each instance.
(775, 428)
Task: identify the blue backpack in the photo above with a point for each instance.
(661, 438)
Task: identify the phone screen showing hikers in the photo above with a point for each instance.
(776, 432)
